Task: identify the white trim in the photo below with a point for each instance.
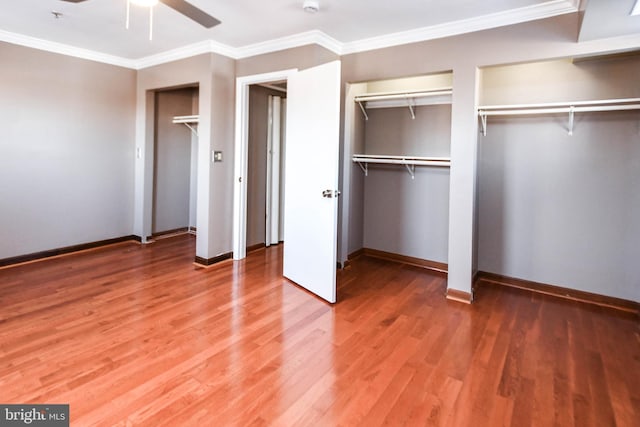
(494, 20)
(206, 46)
(273, 87)
(295, 40)
(510, 17)
(636, 9)
(486, 109)
(240, 157)
(65, 49)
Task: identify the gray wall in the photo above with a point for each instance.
(392, 131)
(403, 215)
(221, 174)
(172, 169)
(299, 57)
(193, 182)
(352, 200)
(215, 77)
(66, 152)
(257, 167)
(555, 208)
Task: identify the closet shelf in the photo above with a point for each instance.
(410, 162)
(403, 99)
(555, 108)
(188, 121)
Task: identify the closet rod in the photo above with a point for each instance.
(186, 119)
(560, 104)
(406, 162)
(384, 97)
(529, 111)
(557, 107)
(410, 163)
(373, 158)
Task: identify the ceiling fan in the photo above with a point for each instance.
(181, 6)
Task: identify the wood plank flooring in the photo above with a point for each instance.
(134, 335)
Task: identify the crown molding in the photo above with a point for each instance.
(207, 46)
(65, 49)
(296, 40)
(545, 10)
(494, 20)
(269, 46)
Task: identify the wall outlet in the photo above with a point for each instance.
(217, 156)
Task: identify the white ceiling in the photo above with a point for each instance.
(608, 18)
(96, 28)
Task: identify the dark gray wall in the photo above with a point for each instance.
(555, 208)
(173, 163)
(66, 151)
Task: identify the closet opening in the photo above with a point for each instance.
(175, 162)
(397, 148)
(265, 158)
(558, 172)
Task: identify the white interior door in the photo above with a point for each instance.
(272, 217)
(275, 171)
(311, 205)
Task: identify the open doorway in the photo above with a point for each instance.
(175, 162)
(265, 157)
(312, 169)
(241, 158)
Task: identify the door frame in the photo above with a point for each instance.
(241, 157)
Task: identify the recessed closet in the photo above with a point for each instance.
(175, 161)
(397, 134)
(559, 173)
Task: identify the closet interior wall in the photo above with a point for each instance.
(389, 210)
(175, 161)
(556, 208)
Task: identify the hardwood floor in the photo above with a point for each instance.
(133, 335)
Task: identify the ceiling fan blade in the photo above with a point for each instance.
(190, 11)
